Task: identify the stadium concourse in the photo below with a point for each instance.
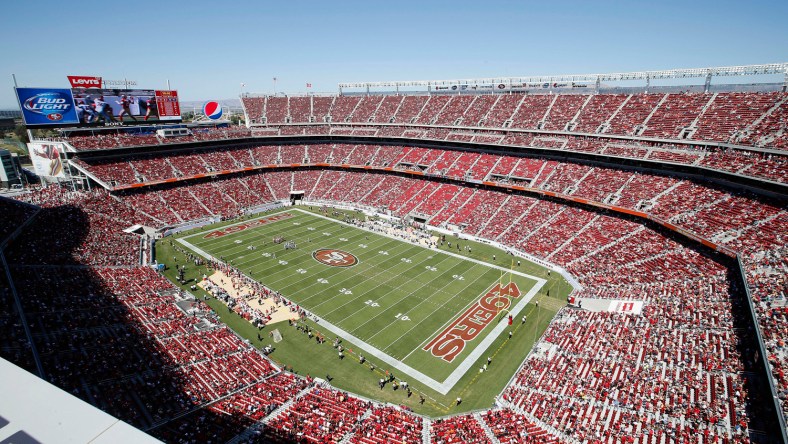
(661, 198)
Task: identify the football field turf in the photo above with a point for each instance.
(426, 312)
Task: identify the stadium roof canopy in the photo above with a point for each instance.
(708, 73)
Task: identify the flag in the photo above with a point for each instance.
(308, 85)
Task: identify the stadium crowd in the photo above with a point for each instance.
(678, 370)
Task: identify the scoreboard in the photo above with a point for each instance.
(167, 103)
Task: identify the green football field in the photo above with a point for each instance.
(429, 313)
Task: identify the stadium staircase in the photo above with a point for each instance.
(552, 430)
(508, 122)
(486, 428)
(642, 126)
(352, 432)
(668, 190)
(748, 130)
(371, 190)
(516, 221)
(613, 198)
(573, 121)
(488, 221)
(282, 408)
(543, 120)
(606, 124)
(353, 111)
(577, 184)
(199, 202)
(178, 172)
(574, 236)
(140, 177)
(546, 179)
(693, 127)
(270, 188)
(612, 412)
(377, 108)
(547, 222)
(249, 432)
(608, 245)
(699, 208)
(425, 431)
(89, 174)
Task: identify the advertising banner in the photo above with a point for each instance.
(84, 81)
(212, 110)
(47, 106)
(46, 158)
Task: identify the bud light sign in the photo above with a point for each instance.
(47, 106)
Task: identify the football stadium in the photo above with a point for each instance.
(573, 258)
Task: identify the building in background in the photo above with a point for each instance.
(10, 170)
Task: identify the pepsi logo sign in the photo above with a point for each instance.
(50, 104)
(212, 110)
(334, 258)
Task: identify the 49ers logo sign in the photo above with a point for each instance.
(335, 258)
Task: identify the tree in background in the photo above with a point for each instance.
(21, 133)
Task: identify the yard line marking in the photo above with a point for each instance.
(428, 317)
(285, 253)
(407, 295)
(383, 283)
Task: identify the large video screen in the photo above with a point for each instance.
(103, 107)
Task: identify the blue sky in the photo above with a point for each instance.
(207, 48)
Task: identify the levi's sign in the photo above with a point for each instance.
(85, 81)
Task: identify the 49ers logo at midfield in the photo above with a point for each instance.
(335, 258)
